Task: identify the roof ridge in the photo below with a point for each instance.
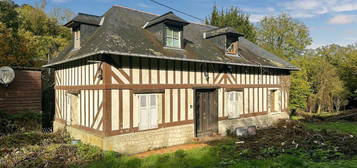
(120, 6)
(80, 13)
(167, 13)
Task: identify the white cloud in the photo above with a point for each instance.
(256, 18)
(345, 7)
(310, 8)
(343, 19)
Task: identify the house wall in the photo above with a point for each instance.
(23, 94)
(108, 107)
(77, 77)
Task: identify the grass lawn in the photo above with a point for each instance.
(338, 126)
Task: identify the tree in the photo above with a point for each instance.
(28, 35)
(283, 36)
(235, 18)
(62, 15)
(300, 89)
(344, 59)
(8, 14)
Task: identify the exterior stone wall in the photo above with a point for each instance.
(149, 140)
(84, 136)
(152, 139)
(258, 121)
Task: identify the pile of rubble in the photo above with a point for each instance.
(290, 137)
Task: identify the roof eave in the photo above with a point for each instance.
(164, 57)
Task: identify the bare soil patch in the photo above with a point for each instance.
(170, 149)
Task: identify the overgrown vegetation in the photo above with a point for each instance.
(288, 144)
(19, 122)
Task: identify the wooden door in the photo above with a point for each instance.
(206, 112)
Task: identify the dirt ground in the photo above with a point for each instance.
(170, 149)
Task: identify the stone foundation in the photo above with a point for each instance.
(261, 121)
(84, 136)
(152, 139)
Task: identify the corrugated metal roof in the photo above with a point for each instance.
(122, 32)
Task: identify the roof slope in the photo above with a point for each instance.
(122, 33)
(86, 18)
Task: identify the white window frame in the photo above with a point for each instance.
(170, 29)
(233, 103)
(148, 114)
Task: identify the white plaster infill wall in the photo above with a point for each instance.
(261, 121)
(148, 140)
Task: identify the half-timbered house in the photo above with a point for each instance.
(132, 81)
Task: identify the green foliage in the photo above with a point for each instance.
(283, 36)
(344, 59)
(28, 36)
(300, 88)
(235, 18)
(22, 121)
(318, 86)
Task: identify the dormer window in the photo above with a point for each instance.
(227, 34)
(90, 24)
(231, 46)
(168, 28)
(173, 37)
(77, 38)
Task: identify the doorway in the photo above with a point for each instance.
(206, 112)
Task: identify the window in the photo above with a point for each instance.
(77, 38)
(173, 37)
(234, 101)
(274, 100)
(232, 46)
(148, 111)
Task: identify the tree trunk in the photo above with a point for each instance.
(318, 109)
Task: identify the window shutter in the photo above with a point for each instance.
(143, 109)
(153, 111)
(240, 103)
(230, 104)
(235, 113)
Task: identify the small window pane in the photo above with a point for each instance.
(169, 42)
(169, 33)
(176, 43)
(176, 34)
(153, 100)
(143, 101)
(173, 37)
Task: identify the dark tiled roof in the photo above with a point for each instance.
(122, 33)
(220, 31)
(167, 16)
(85, 18)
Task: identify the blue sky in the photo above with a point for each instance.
(329, 21)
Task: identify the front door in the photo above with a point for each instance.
(206, 112)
